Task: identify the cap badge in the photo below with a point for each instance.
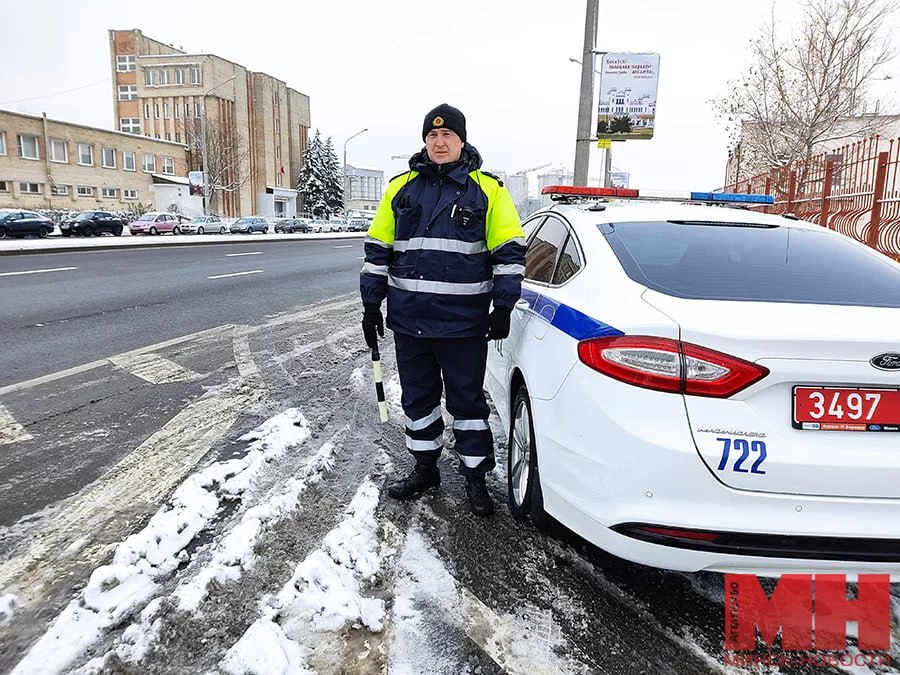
(437, 121)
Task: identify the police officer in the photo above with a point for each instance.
(447, 250)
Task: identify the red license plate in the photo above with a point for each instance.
(845, 409)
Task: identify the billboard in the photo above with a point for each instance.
(195, 179)
(627, 108)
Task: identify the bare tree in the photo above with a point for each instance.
(227, 155)
(810, 87)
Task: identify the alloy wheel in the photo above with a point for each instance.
(520, 454)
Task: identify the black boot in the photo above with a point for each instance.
(422, 477)
(479, 500)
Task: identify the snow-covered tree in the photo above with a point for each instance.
(320, 184)
(808, 84)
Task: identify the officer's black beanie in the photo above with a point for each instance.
(445, 116)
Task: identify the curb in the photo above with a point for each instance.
(158, 242)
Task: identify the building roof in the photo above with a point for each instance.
(164, 179)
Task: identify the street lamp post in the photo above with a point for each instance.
(346, 183)
(203, 140)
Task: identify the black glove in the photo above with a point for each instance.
(498, 324)
(373, 321)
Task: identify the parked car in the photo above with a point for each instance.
(694, 387)
(22, 223)
(291, 225)
(155, 223)
(249, 225)
(339, 224)
(89, 223)
(320, 226)
(204, 225)
(358, 225)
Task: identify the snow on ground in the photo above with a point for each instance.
(324, 594)
(8, 605)
(151, 555)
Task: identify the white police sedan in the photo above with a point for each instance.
(702, 387)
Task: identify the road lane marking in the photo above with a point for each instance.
(209, 333)
(53, 269)
(10, 430)
(234, 255)
(154, 368)
(345, 246)
(106, 510)
(235, 274)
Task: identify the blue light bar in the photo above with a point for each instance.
(732, 198)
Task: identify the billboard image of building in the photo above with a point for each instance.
(627, 108)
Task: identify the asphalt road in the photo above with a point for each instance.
(98, 303)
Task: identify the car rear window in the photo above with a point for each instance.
(726, 261)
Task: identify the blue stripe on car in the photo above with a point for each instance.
(567, 319)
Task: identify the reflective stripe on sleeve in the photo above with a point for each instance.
(443, 287)
(377, 242)
(423, 446)
(508, 269)
(470, 425)
(369, 268)
(422, 422)
(435, 244)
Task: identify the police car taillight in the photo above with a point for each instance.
(575, 191)
(669, 365)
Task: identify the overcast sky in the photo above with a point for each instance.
(381, 64)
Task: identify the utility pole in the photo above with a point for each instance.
(347, 191)
(586, 114)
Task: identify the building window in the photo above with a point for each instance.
(127, 92)
(85, 191)
(277, 152)
(128, 161)
(59, 190)
(169, 165)
(166, 110)
(149, 163)
(108, 158)
(86, 154)
(110, 193)
(151, 77)
(125, 63)
(59, 151)
(164, 76)
(187, 109)
(177, 137)
(147, 115)
(28, 146)
(2, 142)
(129, 194)
(168, 136)
(156, 110)
(195, 74)
(4, 186)
(30, 188)
(278, 179)
(179, 76)
(177, 110)
(130, 125)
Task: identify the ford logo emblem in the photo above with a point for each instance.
(886, 361)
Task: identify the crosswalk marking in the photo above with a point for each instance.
(10, 430)
(154, 368)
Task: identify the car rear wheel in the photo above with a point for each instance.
(200, 230)
(522, 477)
(153, 231)
(117, 231)
(43, 232)
(87, 231)
(222, 230)
(265, 230)
(3, 233)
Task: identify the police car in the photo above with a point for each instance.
(694, 385)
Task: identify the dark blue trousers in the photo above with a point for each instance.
(428, 366)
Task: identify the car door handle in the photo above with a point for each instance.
(522, 305)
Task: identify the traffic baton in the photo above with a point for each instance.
(379, 385)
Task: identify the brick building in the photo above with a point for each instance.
(254, 126)
(51, 164)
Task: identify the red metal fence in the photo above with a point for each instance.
(854, 190)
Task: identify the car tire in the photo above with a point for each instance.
(43, 232)
(153, 231)
(222, 230)
(265, 230)
(87, 231)
(117, 230)
(3, 233)
(200, 230)
(522, 475)
(176, 230)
